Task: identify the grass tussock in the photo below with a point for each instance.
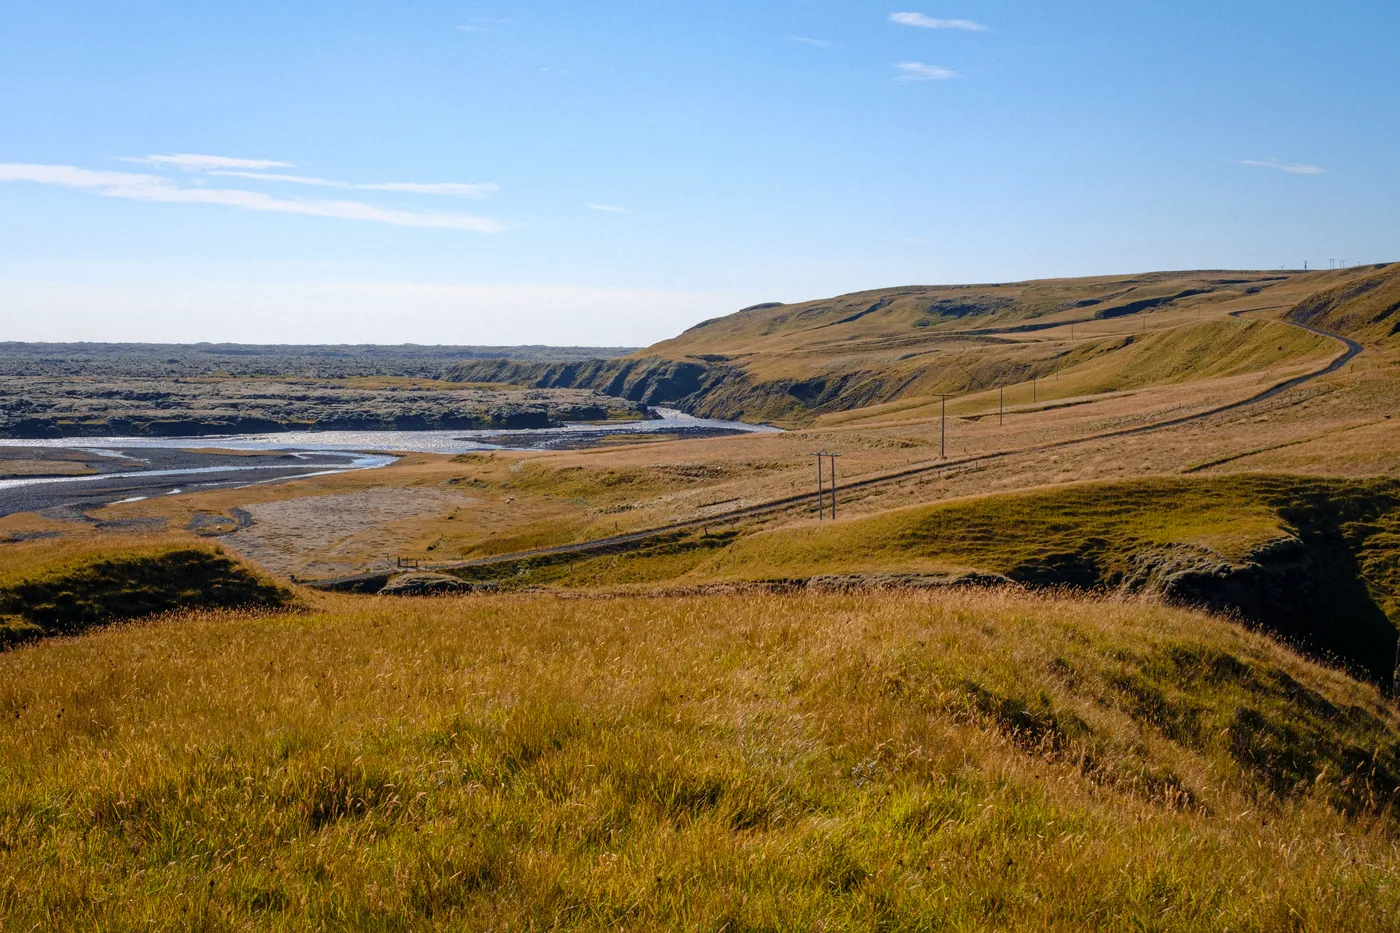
(962, 760)
(64, 587)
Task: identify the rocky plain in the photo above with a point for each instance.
(84, 390)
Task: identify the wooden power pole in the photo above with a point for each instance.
(821, 483)
(833, 485)
(943, 427)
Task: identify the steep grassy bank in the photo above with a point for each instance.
(904, 761)
(1366, 309)
(64, 588)
(1315, 561)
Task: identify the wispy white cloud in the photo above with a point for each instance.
(808, 40)
(609, 208)
(918, 71)
(204, 163)
(1290, 167)
(481, 24)
(142, 187)
(931, 22)
(459, 189)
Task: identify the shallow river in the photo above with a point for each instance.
(132, 468)
(429, 442)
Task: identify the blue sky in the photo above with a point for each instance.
(610, 173)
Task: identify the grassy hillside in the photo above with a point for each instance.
(65, 587)
(1365, 309)
(790, 362)
(903, 761)
(926, 310)
(1315, 561)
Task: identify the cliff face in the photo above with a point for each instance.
(651, 381)
(708, 389)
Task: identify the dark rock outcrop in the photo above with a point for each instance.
(424, 583)
(1301, 588)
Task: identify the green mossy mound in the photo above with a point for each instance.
(69, 596)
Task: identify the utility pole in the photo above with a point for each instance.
(821, 484)
(832, 458)
(943, 428)
(1032, 390)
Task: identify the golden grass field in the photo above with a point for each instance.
(650, 739)
(961, 760)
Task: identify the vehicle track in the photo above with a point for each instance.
(615, 542)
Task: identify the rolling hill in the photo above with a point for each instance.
(789, 363)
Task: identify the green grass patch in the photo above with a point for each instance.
(60, 590)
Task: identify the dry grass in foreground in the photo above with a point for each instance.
(960, 760)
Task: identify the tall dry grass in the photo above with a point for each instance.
(958, 760)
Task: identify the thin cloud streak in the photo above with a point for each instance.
(137, 187)
(921, 21)
(480, 24)
(918, 71)
(608, 208)
(807, 40)
(463, 190)
(204, 163)
(1291, 167)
